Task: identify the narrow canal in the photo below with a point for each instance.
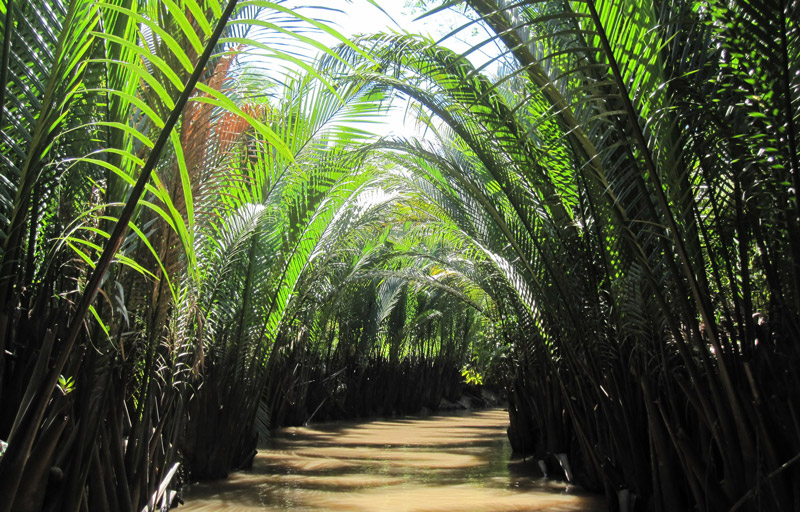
(440, 463)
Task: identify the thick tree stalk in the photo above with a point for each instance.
(8, 30)
(19, 445)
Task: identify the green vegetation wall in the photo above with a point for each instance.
(605, 213)
(630, 170)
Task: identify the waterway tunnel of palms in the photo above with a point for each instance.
(231, 228)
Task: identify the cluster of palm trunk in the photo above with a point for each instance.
(198, 236)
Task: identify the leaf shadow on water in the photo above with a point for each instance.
(443, 462)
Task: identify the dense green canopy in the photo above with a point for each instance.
(202, 236)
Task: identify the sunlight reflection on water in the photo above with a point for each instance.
(441, 463)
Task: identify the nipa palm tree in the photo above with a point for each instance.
(114, 118)
(630, 173)
(280, 217)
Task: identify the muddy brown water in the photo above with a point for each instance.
(434, 464)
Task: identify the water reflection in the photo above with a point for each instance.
(441, 463)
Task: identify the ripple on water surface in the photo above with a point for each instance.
(435, 464)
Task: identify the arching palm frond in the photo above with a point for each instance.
(93, 97)
(597, 174)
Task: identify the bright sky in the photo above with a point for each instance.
(355, 17)
(360, 17)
